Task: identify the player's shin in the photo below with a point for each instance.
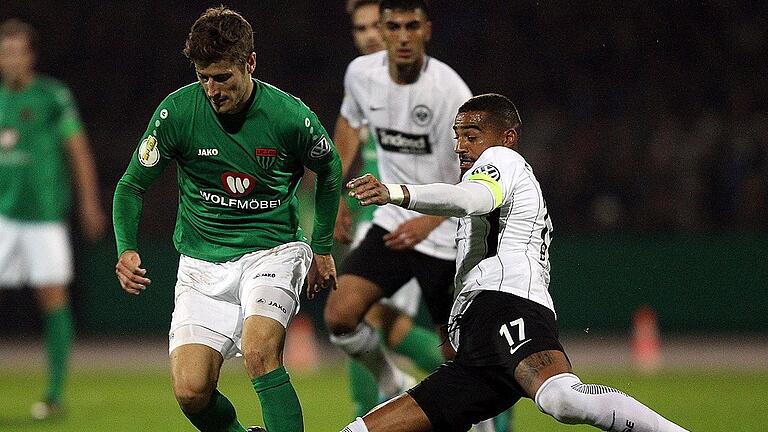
(567, 399)
(58, 341)
(363, 344)
(280, 404)
(219, 415)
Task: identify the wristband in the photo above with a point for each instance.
(396, 195)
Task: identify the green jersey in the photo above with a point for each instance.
(35, 124)
(237, 183)
(369, 165)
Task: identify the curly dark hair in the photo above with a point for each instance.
(219, 34)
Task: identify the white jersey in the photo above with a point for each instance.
(413, 128)
(506, 249)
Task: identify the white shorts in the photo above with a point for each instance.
(406, 299)
(213, 299)
(34, 254)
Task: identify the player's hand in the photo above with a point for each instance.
(368, 190)
(322, 275)
(342, 231)
(93, 221)
(412, 232)
(130, 274)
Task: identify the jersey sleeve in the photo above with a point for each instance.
(153, 153)
(68, 122)
(317, 152)
(350, 107)
(497, 172)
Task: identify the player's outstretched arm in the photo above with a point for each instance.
(439, 199)
(130, 274)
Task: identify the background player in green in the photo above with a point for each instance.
(241, 147)
(400, 333)
(40, 136)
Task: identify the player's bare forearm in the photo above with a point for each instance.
(130, 274)
(84, 170)
(347, 141)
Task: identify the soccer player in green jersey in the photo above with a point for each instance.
(41, 138)
(241, 147)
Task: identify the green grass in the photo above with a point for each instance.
(114, 401)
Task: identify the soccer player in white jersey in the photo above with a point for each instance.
(407, 100)
(503, 323)
(392, 316)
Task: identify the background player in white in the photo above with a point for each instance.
(393, 316)
(503, 320)
(41, 138)
(408, 101)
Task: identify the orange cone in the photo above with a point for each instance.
(301, 347)
(646, 344)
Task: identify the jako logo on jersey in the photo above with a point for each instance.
(265, 157)
(237, 184)
(489, 170)
(421, 115)
(400, 142)
(320, 149)
(208, 152)
(148, 153)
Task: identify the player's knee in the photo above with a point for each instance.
(338, 319)
(192, 397)
(557, 398)
(261, 359)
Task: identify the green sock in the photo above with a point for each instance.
(280, 405)
(503, 421)
(422, 346)
(218, 416)
(58, 332)
(365, 390)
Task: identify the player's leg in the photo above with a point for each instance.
(368, 273)
(547, 378)
(420, 344)
(195, 373)
(271, 285)
(204, 332)
(58, 331)
(50, 271)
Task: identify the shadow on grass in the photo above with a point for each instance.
(22, 423)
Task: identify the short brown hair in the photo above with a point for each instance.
(219, 34)
(353, 5)
(16, 27)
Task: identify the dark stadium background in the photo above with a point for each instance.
(646, 123)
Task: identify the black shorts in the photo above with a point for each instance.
(496, 333)
(391, 269)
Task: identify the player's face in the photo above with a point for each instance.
(405, 34)
(227, 85)
(365, 30)
(474, 134)
(17, 59)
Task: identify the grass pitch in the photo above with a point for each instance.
(131, 400)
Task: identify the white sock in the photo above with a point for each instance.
(364, 345)
(567, 399)
(356, 426)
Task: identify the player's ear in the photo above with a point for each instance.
(427, 31)
(250, 63)
(511, 138)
